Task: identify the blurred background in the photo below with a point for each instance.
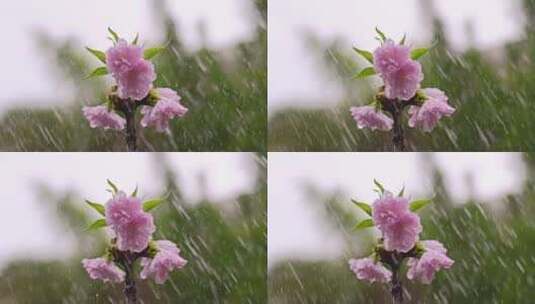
(483, 60)
(216, 59)
(216, 214)
(483, 212)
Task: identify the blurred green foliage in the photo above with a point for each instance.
(492, 90)
(493, 249)
(223, 241)
(225, 91)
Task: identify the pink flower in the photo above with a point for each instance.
(404, 83)
(135, 235)
(121, 209)
(130, 223)
(399, 226)
(402, 235)
(432, 245)
(134, 75)
(101, 269)
(100, 117)
(401, 74)
(369, 117)
(167, 108)
(388, 210)
(390, 57)
(367, 269)
(122, 57)
(434, 108)
(433, 259)
(166, 260)
(136, 83)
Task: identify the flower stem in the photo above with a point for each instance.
(130, 291)
(397, 288)
(128, 108)
(126, 260)
(394, 261)
(398, 138)
(395, 108)
(131, 136)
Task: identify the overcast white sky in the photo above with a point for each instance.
(26, 228)
(293, 70)
(296, 230)
(26, 73)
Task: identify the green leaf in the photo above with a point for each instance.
(363, 206)
(135, 39)
(379, 185)
(113, 187)
(113, 35)
(402, 41)
(134, 194)
(100, 71)
(101, 223)
(367, 223)
(367, 55)
(99, 54)
(152, 52)
(151, 204)
(417, 53)
(98, 207)
(419, 204)
(381, 34)
(367, 72)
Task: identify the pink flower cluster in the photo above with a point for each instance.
(429, 113)
(422, 269)
(369, 117)
(133, 229)
(166, 260)
(399, 226)
(401, 74)
(132, 226)
(400, 229)
(369, 270)
(134, 76)
(432, 260)
(101, 117)
(167, 108)
(402, 77)
(102, 269)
